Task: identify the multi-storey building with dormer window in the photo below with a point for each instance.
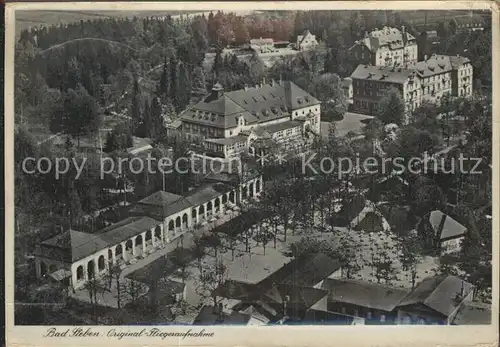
(387, 46)
(229, 123)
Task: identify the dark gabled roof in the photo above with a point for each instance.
(382, 73)
(263, 103)
(220, 112)
(274, 128)
(305, 271)
(160, 198)
(238, 290)
(206, 193)
(73, 245)
(160, 205)
(458, 60)
(390, 37)
(296, 297)
(365, 294)
(434, 65)
(444, 226)
(438, 293)
(304, 35)
(228, 140)
(70, 246)
(126, 229)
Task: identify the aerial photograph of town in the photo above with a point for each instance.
(274, 167)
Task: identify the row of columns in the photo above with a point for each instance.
(100, 262)
(113, 255)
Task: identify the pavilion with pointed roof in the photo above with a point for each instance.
(74, 257)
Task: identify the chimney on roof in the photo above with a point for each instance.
(462, 289)
(425, 57)
(263, 80)
(403, 29)
(366, 33)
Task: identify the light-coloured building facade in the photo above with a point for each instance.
(306, 41)
(426, 81)
(156, 221)
(371, 83)
(262, 45)
(471, 22)
(435, 74)
(387, 46)
(347, 88)
(229, 123)
(462, 76)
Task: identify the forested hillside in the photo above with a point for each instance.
(74, 79)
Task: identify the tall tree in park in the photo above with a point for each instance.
(146, 125)
(218, 63)
(163, 87)
(255, 69)
(80, 113)
(391, 108)
(425, 117)
(426, 196)
(373, 129)
(410, 256)
(328, 89)
(135, 107)
(174, 82)
(199, 84)
(357, 24)
(241, 35)
(156, 118)
(184, 87)
(120, 138)
(210, 278)
(200, 33)
(423, 46)
(278, 199)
